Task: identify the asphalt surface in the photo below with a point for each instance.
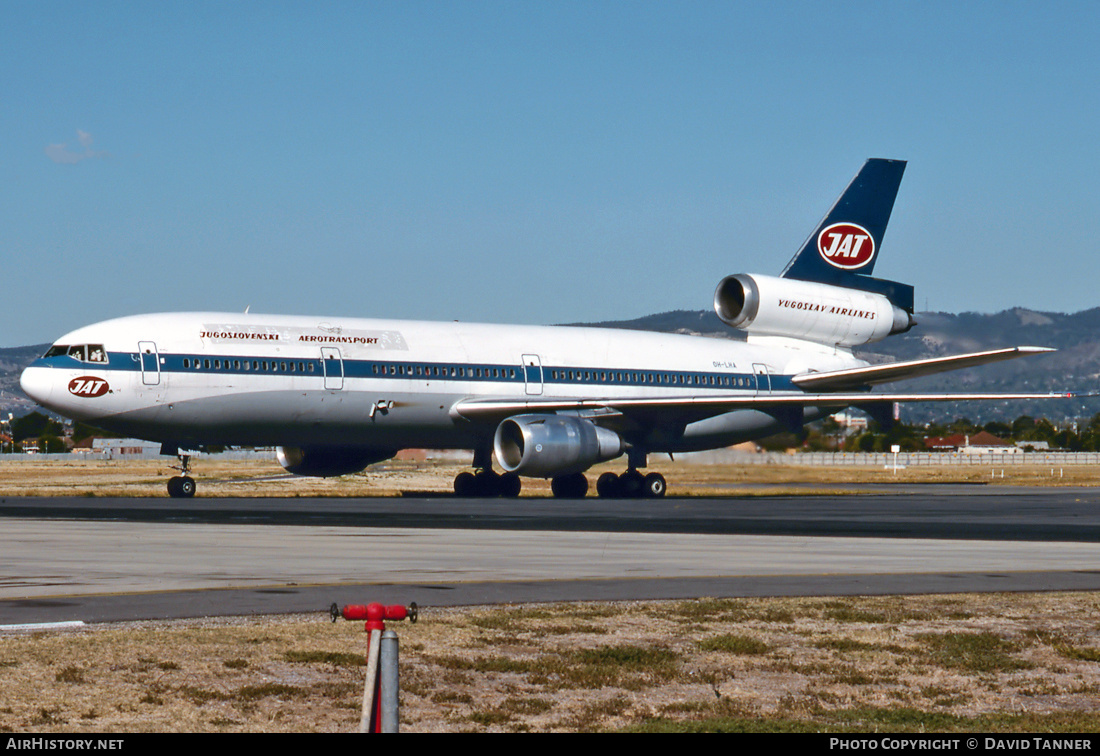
(102, 559)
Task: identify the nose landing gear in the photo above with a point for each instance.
(182, 486)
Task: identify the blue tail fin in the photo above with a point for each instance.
(844, 247)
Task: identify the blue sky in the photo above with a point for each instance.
(531, 162)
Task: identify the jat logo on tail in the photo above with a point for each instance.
(846, 245)
(88, 386)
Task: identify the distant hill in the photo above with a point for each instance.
(1075, 366)
(12, 362)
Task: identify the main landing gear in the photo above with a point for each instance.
(485, 483)
(631, 485)
(182, 486)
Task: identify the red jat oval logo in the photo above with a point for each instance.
(88, 387)
(846, 245)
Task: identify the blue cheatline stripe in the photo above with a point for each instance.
(430, 371)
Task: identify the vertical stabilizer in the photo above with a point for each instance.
(845, 245)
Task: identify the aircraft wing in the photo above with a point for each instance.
(852, 378)
(700, 407)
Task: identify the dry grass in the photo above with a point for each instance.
(28, 476)
(965, 662)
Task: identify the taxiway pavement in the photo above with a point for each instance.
(117, 559)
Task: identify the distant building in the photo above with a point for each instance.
(851, 421)
(982, 442)
(1042, 446)
(113, 448)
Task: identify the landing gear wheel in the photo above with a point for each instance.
(465, 486)
(573, 486)
(607, 486)
(181, 487)
(487, 484)
(631, 485)
(510, 485)
(654, 486)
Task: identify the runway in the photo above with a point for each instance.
(95, 559)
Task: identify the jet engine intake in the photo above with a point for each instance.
(825, 314)
(545, 446)
(328, 462)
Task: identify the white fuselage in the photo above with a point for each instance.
(196, 379)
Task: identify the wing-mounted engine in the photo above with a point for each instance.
(328, 462)
(544, 446)
(822, 313)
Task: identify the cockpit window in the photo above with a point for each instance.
(94, 353)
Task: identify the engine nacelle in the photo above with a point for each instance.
(328, 462)
(832, 315)
(543, 446)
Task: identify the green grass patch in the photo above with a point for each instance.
(731, 643)
(70, 674)
(336, 658)
(977, 653)
(1079, 653)
(268, 690)
(874, 719)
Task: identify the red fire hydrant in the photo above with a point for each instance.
(380, 694)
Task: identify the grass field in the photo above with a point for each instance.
(983, 663)
(30, 476)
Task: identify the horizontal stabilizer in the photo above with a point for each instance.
(852, 378)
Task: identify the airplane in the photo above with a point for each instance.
(334, 394)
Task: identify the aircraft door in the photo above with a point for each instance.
(763, 378)
(333, 366)
(150, 363)
(532, 374)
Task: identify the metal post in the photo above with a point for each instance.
(389, 683)
(370, 702)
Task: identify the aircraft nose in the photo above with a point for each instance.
(37, 383)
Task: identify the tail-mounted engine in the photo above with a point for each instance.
(825, 314)
(544, 446)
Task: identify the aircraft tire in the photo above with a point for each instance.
(487, 484)
(573, 486)
(510, 485)
(631, 485)
(654, 486)
(181, 487)
(465, 485)
(607, 486)
(187, 487)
